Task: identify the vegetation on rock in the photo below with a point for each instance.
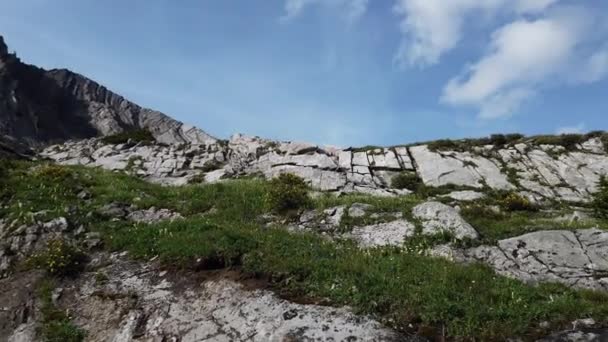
(406, 290)
(288, 192)
(406, 180)
(56, 323)
(136, 136)
(600, 199)
(60, 258)
(516, 202)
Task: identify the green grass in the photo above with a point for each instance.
(493, 226)
(398, 287)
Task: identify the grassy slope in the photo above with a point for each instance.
(398, 287)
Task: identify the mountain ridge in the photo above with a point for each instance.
(40, 107)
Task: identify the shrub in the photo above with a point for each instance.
(137, 136)
(600, 199)
(59, 259)
(568, 141)
(406, 180)
(197, 179)
(53, 173)
(288, 192)
(516, 202)
(503, 139)
(443, 145)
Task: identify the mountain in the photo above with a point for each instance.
(40, 106)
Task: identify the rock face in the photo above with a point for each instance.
(569, 176)
(140, 302)
(575, 258)
(437, 217)
(392, 233)
(39, 106)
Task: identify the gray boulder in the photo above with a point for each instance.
(392, 233)
(437, 217)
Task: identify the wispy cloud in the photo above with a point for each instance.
(351, 10)
(431, 28)
(524, 57)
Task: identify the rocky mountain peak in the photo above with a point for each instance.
(40, 107)
(3, 47)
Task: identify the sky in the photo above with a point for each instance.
(337, 72)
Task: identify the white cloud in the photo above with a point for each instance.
(523, 56)
(352, 10)
(580, 128)
(433, 27)
(595, 68)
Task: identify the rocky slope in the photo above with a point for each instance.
(429, 213)
(539, 172)
(39, 106)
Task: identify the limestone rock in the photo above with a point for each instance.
(437, 217)
(217, 310)
(577, 259)
(358, 209)
(383, 234)
(153, 215)
(466, 195)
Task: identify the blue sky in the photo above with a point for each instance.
(341, 72)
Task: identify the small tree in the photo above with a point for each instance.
(600, 199)
(288, 192)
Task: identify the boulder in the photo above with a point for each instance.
(383, 234)
(574, 258)
(437, 217)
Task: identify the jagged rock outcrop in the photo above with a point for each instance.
(39, 107)
(538, 172)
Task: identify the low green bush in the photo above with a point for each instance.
(516, 202)
(600, 199)
(406, 180)
(137, 136)
(504, 139)
(288, 192)
(568, 141)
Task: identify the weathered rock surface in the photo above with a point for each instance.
(466, 195)
(574, 258)
(437, 217)
(393, 233)
(359, 209)
(153, 215)
(17, 243)
(142, 302)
